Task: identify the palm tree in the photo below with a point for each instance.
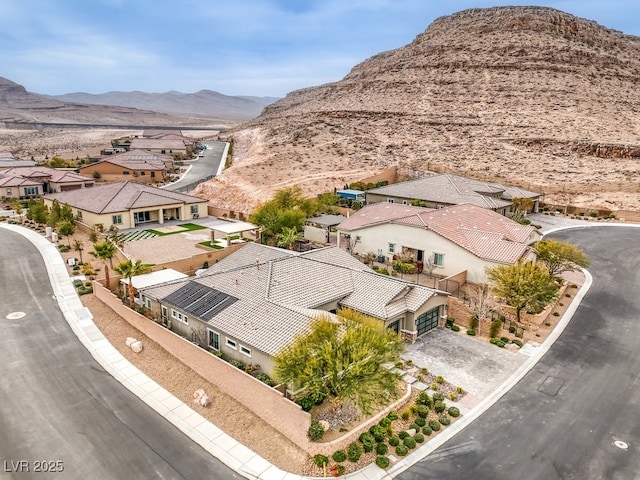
(78, 247)
(104, 251)
(130, 269)
(288, 237)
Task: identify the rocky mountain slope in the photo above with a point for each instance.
(523, 95)
(205, 103)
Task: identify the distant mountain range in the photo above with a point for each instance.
(206, 103)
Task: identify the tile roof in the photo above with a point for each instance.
(279, 295)
(10, 181)
(136, 160)
(152, 143)
(120, 197)
(453, 190)
(483, 232)
(48, 174)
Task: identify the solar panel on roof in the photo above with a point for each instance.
(199, 300)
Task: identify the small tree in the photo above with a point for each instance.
(130, 269)
(17, 207)
(288, 236)
(342, 360)
(368, 258)
(560, 257)
(524, 286)
(78, 247)
(479, 299)
(67, 229)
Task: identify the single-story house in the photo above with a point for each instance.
(160, 145)
(129, 204)
(150, 279)
(48, 180)
(139, 166)
(18, 187)
(451, 239)
(256, 301)
(448, 189)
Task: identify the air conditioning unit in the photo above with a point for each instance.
(381, 259)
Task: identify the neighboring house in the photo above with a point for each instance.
(447, 189)
(7, 160)
(188, 141)
(169, 147)
(18, 187)
(256, 301)
(139, 166)
(48, 180)
(129, 204)
(452, 239)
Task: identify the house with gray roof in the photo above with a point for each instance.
(448, 189)
(257, 300)
(128, 204)
(448, 241)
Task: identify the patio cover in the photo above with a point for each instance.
(328, 221)
(154, 278)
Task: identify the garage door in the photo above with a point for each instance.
(428, 321)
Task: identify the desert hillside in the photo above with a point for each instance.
(523, 95)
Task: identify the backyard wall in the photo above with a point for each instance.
(269, 404)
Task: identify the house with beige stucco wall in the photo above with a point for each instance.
(256, 301)
(454, 239)
(30, 182)
(139, 166)
(128, 205)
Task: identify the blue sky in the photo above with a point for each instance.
(239, 47)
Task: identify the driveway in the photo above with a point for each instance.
(476, 366)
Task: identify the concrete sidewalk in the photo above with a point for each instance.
(211, 438)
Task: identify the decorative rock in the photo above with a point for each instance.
(199, 396)
(129, 341)
(133, 344)
(411, 432)
(325, 425)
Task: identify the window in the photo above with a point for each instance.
(231, 343)
(214, 339)
(31, 190)
(392, 247)
(404, 202)
(194, 208)
(125, 172)
(438, 259)
(143, 173)
(79, 215)
(163, 313)
(8, 192)
(147, 302)
(116, 219)
(394, 326)
(245, 351)
(390, 200)
(180, 317)
(153, 174)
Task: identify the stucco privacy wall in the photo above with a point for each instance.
(269, 404)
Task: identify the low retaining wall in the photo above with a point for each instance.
(269, 404)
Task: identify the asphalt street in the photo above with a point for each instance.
(574, 415)
(59, 410)
(200, 168)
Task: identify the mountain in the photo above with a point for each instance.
(205, 103)
(530, 96)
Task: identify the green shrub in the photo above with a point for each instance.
(517, 342)
(440, 379)
(495, 327)
(427, 431)
(471, 332)
(504, 339)
(367, 441)
(401, 450)
(405, 415)
(316, 431)
(399, 365)
(434, 425)
(455, 328)
(555, 314)
(77, 283)
(424, 371)
(378, 432)
(394, 441)
(423, 411)
(339, 456)
(354, 452)
(320, 460)
(409, 442)
(421, 422)
(382, 462)
(403, 434)
(512, 329)
(500, 344)
(424, 399)
(266, 379)
(474, 322)
(454, 411)
(385, 422)
(439, 407)
(382, 448)
(63, 248)
(444, 420)
(434, 386)
(418, 437)
(414, 426)
(438, 396)
(493, 340)
(449, 322)
(337, 470)
(392, 416)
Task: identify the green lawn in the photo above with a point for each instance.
(186, 227)
(211, 245)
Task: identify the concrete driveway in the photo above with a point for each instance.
(475, 365)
